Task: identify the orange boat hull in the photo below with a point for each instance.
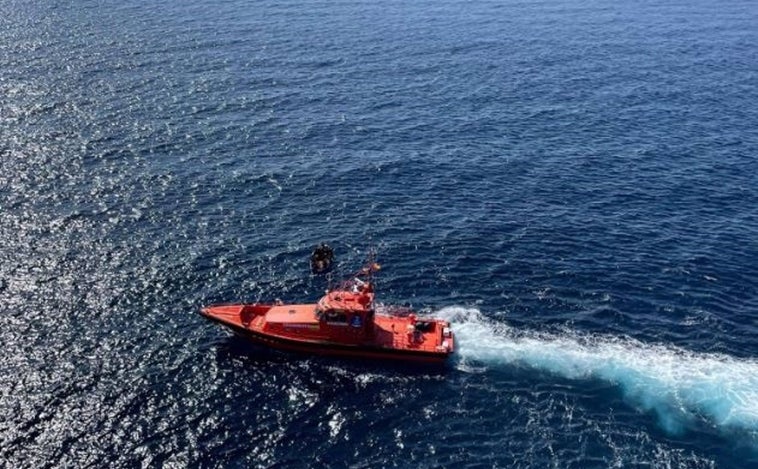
(300, 328)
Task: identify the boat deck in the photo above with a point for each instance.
(392, 332)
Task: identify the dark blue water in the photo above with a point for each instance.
(574, 184)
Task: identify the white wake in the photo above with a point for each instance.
(677, 384)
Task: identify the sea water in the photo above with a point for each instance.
(573, 184)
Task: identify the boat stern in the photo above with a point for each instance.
(447, 341)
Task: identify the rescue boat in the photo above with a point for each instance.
(344, 322)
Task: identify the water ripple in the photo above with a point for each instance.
(579, 175)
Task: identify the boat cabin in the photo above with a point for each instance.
(347, 313)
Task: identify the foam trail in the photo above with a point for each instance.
(679, 385)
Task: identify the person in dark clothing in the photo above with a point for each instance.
(322, 259)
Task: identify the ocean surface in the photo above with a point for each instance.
(573, 184)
